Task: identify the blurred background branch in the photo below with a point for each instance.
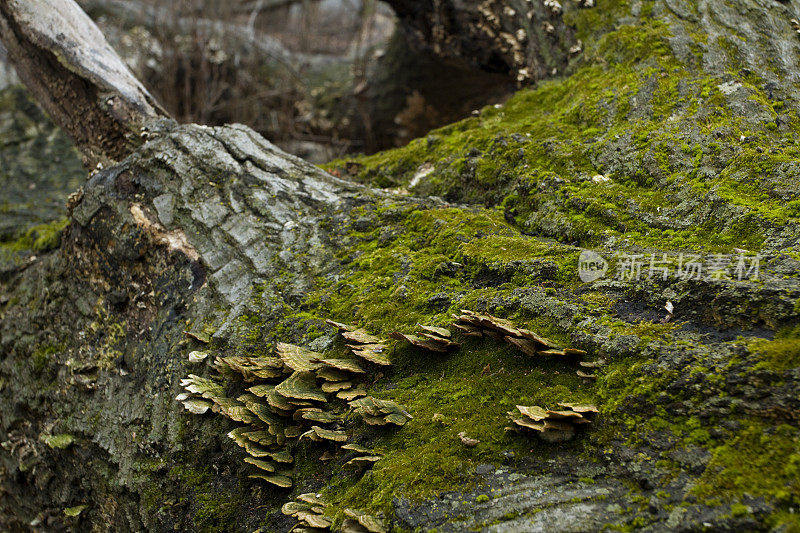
(320, 78)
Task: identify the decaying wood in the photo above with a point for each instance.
(65, 61)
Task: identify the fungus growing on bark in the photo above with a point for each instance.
(377, 412)
(553, 425)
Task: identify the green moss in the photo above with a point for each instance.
(40, 238)
(74, 511)
(109, 334)
(43, 355)
(760, 461)
(60, 441)
(530, 164)
(390, 281)
(782, 353)
(535, 155)
(473, 390)
(739, 509)
(215, 509)
(469, 258)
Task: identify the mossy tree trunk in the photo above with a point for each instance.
(213, 239)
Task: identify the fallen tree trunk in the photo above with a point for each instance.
(534, 40)
(212, 240)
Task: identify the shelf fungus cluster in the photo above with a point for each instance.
(589, 367)
(377, 412)
(363, 344)
(364, 457)
(431, 338)
(550, 424)
(309, 511)
(292, 397)
(472, 324)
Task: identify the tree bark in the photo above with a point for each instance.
(529, 41)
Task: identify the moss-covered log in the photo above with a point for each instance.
(667, 138)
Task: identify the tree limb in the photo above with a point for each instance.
(65, 61)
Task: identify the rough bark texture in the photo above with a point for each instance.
(162, 247)
(667, 137)
(65, 61)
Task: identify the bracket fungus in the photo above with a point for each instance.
(431, 338)
(198, 336)
(196, 406)
(201, 394)
(353, 447)
(319, 434)
(340, 326)
(364, 345)
(287, 400)
(345, 365)
(553, 425)
(336, 386)
(267, 466)
(314, 414)
(309, 510)
(365, 457)
(207, 388)
(352, 394)
(362, 523)
(197, 356)
(363, 461)
(278, 480)
(250, 368)
(360, 336)
(372, 353)
(377, 412)
(474, 324)
(297, 358)
(301, 386)
(332, 375)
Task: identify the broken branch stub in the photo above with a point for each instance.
(65, 61)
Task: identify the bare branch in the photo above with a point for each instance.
(65, 61)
